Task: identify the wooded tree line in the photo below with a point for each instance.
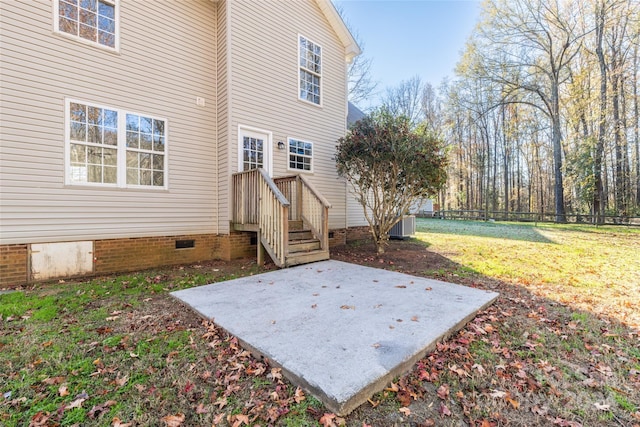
(544, 113)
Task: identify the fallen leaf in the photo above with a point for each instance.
(443, 391)
(498, 394)
(460, 371)
(444, 410)
(393, 387)
(275, 374)
(200, 409)
(414, 319)
(401, 286)
(53, 380)
(404, 397)
(47, 344)
(540, 410)
(97, 410)
(39, 419)
(62, 391)
(238, 419)
(513, 402)
(602, 406)
(327, 420)
(348, 307)
(77, 403)
(218, 419)
(121, 381)
(376, 345)
(117, 423)
(221, 402)
(478, 368)
(405, 411)
(299, 395)
(314, 306)
(173, 420)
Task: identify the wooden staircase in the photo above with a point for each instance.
(288, 214)
(303, 245)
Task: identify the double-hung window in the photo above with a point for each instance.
(300, 155)
(114, 148)
(310, 69)
(93, 21)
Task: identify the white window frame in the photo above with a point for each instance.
(77, 38)
(268, 147)
(289, 154)
(300, 68)
(121, 147)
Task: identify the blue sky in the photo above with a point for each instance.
(411, 37)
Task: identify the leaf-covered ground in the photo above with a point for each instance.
(119, 351)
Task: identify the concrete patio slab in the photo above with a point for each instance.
(341, 331)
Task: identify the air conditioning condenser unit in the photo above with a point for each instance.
(404, 228)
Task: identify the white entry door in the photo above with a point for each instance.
(254, 149)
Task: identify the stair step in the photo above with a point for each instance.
(306, 257)
(300, 235)
(295, 225)
(303, 245)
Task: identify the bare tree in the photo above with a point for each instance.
(405, 99)
(527, 46)
(361, 85)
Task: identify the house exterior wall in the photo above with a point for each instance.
(167, 58)
(264, 89)
(240, 57)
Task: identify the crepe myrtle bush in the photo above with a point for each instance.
(390, 165)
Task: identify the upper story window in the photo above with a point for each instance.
(300, 155)
(112, 147)
(310, 64)
(93, 21)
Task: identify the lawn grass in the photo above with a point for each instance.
(593, 268)
(559, 346)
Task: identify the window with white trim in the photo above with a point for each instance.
(310, 64)
(300, 155)
(112, 147)
(93, 21)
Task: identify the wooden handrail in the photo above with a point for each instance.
(315, 192)
(272, 186)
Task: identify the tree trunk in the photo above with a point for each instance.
(636, 125)
(598, 193)
(557, 154)
(619, 182)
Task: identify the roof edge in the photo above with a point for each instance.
(350, 44)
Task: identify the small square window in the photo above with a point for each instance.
(300, 155)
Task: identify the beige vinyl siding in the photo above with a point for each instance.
(264, 88)
(355, 212)
(224, 131)
(167, 58)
